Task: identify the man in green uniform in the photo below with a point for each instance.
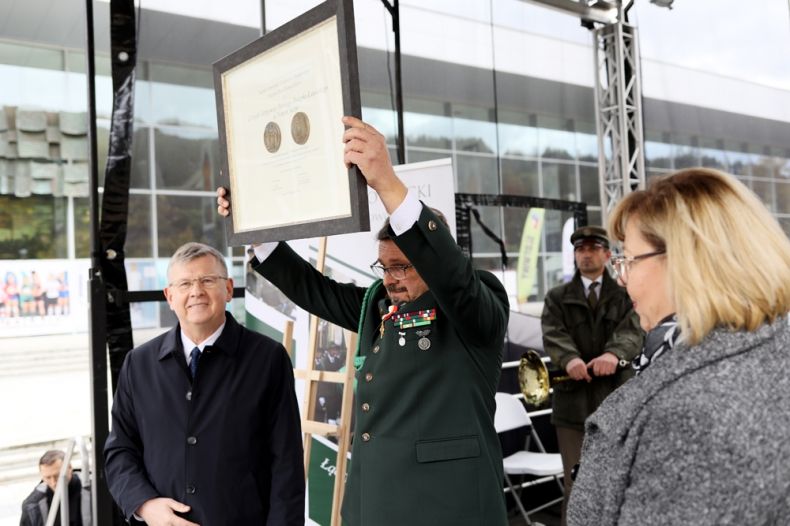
(431, 334)
(591, 331)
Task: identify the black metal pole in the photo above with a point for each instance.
(263, 17)
(394, 11)
(100, 426)
(93, 155)
(398, 85)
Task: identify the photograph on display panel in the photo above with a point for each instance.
(40, 297)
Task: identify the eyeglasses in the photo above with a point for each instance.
(395, 271)
(205, 282)
(622, 264)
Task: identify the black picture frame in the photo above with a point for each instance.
(234, 176)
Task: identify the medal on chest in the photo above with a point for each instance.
(412, 320)
(418, 318)
(392, 309)
(424, 343)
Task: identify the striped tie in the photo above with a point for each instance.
(194, 357)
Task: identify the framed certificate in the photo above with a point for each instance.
(280, 101)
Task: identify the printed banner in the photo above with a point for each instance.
(40, 297)
(568, 260)
(528, 254)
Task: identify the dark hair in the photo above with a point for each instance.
(384, 232)
(51, 456)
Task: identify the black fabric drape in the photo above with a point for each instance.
(115, 202)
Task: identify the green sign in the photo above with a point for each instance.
(321, 480)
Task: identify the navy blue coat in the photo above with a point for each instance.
(228, 444)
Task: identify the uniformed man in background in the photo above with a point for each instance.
(591, 332)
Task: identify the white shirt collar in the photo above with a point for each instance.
(587, 281)
(189, 344)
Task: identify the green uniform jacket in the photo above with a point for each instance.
(572, 330)
(425, 451)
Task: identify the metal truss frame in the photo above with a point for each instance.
(618, 109)
(618, 95)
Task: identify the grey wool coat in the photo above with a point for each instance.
(701, 437)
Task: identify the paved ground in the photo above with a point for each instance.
(11, 497)
(42, 407)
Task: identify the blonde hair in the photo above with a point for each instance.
(728, 260)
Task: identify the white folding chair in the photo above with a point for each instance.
(511, 414)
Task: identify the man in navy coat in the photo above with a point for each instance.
(205, 423)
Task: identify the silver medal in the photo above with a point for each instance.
(424, 343)
(402, 339)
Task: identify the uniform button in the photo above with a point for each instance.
(189, 395)
(191, 489)
(366, 437)
(191, 441)
(366, 407)
(432, 225)
(376, 349)
(369, 377)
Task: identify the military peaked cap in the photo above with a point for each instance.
(590, 233)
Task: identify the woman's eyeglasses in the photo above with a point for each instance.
(622, 264)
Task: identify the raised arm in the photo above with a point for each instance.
(476, 302)
(338, 303)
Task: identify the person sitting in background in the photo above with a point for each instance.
(35, 508)
(700, 435)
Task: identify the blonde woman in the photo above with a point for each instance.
(702, 434)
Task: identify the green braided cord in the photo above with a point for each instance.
(359, 360)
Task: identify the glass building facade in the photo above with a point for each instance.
(504, 89)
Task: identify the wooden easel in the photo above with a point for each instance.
(310, 426)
